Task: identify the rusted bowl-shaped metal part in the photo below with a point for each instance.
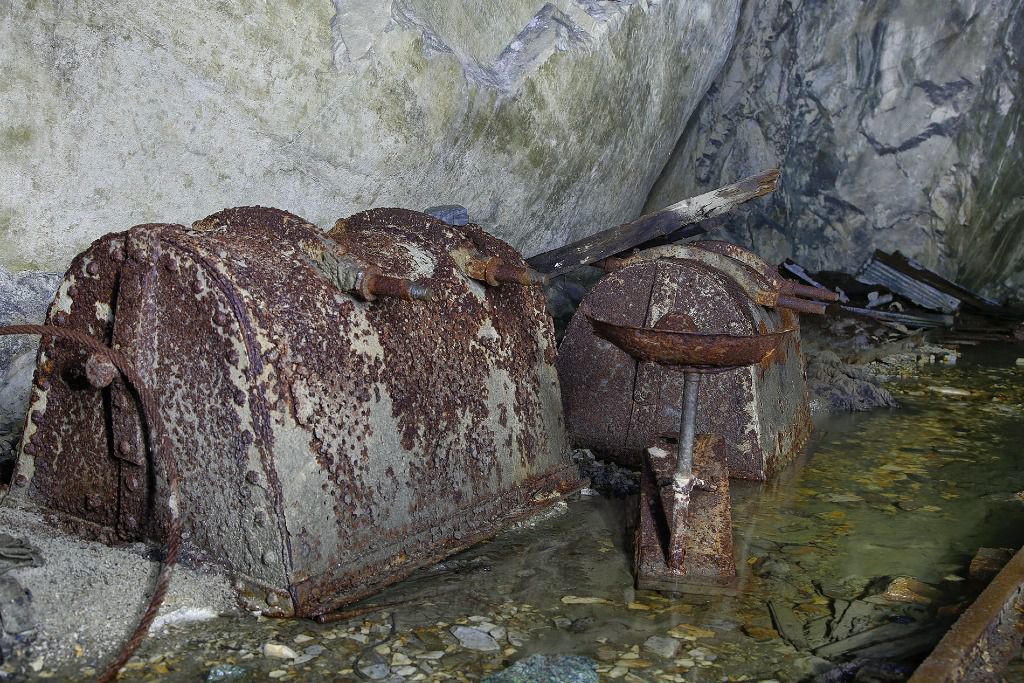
(690, 349)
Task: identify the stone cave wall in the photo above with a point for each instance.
(896, 123)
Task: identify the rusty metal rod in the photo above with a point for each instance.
(801, 305)
(808, 292)
(397, 288)
(494, 271)
(688, 423)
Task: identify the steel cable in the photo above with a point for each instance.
(157, 444)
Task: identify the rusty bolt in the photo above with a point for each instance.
(124, 447)
(221, 318)
(372, 283)
(232, 356)
(99, 371)
(92, 502)
(131, 483)
(36, 416)
(93, 268)
(29, 448)
(495, 271)
(21, 480)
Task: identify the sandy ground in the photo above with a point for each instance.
(87, 597)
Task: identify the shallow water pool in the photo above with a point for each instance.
(854, 560)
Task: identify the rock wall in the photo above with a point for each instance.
(547, 120)
(897, 125)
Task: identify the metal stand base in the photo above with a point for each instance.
(680, 547)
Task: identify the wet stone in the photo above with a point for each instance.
(279, 651)
(661, 646)
(988, 562)
(373, 666)
(474, 639)
(908, 589)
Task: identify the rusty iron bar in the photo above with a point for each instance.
(752, 274)
(808, 292)
(159, 454)
(372, 283)
(986, 637)
(495, 271)
(767, 271)
(800, 305)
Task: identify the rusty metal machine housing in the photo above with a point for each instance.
(617, 406)
(329, 441)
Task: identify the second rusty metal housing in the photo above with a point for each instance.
(617, 405)
(343, 407)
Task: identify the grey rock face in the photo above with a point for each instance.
(547, 120)
(24, 298)
(897, 125)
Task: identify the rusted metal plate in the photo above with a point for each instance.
(702, 538)
(986, 637)
(616, 405)
(327, 445)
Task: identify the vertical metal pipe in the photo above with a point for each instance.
(688, 423)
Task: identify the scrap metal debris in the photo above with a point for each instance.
(900, 292)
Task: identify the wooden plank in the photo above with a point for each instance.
(620, 238)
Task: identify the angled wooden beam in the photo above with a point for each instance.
(622, 237)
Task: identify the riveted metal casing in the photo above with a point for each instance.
(617, 405)
(327, 445)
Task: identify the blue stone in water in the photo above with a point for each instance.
(225, 672)
(548, 669)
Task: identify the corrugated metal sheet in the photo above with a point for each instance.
(874, 272)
